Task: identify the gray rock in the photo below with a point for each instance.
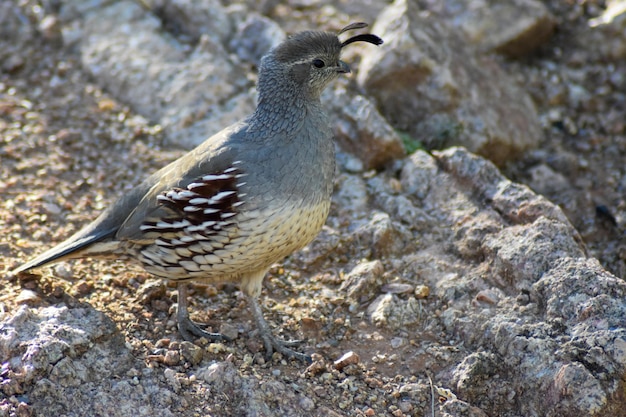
(12, 28)
(194, 19)
(192, 94)
(523, 253)
(60, 356)
(255, 37)
(383, 236)
(351, 196)
(389, 311)
(362, 283)
(415, 176)
(361, 130)
(431, 84)
(513, 28)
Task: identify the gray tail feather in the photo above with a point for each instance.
(75, 247)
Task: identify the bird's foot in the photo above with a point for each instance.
(273, 344)
(191, 331)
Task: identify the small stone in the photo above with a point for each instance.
(171, 378)
(216, 348)
(397, 288)
(306, 403)
(316, 368)
(229, 331)
(23, 410)
(28, 297)
(171, 358)
(63, 270)
(210, 291)
(488, 296)
(150, 291)
(380, 308)
(360, 283)
(422, 291)
(362, 130)
(84, 288)
(406, 407)
(349, 358)
(191, 352)
(396, 342)
(255, 37)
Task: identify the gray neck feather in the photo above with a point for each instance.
(283, 105)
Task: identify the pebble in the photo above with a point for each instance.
(192, 353)
(422, 291)
(63, 270)
(28, 297)
(397, 288)
(172, 358)
(349, 358)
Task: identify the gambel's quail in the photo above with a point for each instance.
(244, 199)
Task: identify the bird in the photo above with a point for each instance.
(244, 199)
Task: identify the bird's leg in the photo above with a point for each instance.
(187, 328)
(269, 340)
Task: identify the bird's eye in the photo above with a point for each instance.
(318, 63)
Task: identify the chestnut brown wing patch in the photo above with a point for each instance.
(206, 206)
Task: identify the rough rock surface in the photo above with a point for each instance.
(513, 28)
(438, 285)
(432, 85)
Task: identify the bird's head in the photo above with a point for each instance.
(309, 60)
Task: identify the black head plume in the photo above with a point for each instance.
(365, 37)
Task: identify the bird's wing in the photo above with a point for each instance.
(200, 189)
(123, 219)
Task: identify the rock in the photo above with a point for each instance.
(351, 196)
(415, 176)
(382, 236)
(18, 34)
(556, 187)
(513, 28)
(461, 98)
(12, 24)
(191, 94)
(60, 356)
(391, 312)
(380, 309)
(191, 352)
(521, 254)
(397, 288)
(348, 358)
(194, 19)
(220, 374)
(362, 283)
(361, 130)
(536, 339)
(150, 291)
(255, 37)
(28, 297)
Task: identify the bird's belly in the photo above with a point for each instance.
(258, 239)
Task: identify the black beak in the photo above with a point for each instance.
(343, 68)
